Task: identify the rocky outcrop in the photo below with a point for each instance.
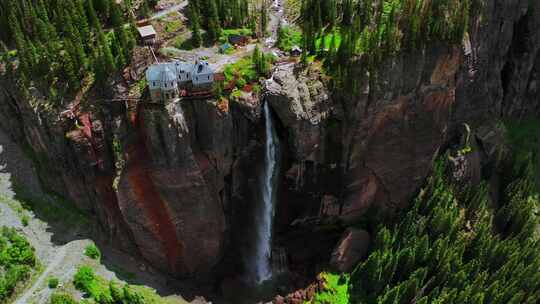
(160, 180)
(370, 149)
(350, 250)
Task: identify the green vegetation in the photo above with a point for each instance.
(524, 140)
(224, 37)
(172, 26)
(17, 260)
(214, 15)
(378, 29)
(452, 247)
(288, 37)
(92, 251)
(25, 219)
(336, 290)
(59, 43)
(52, 282)
(98, 290)
(248, 69)
(182, 43)
(62, 298)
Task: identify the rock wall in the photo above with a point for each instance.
(354, 154)
(189, 178)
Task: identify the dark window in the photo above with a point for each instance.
(208, 77)
(165, 84)
(154, 83)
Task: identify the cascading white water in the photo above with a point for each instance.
(265, 214)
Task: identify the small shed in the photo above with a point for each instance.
(238, 40)
(147, 34)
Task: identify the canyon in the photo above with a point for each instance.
(178, 185)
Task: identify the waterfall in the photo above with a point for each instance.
(263, 247)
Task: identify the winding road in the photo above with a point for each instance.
(59, 257)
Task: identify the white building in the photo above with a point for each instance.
(164, 79)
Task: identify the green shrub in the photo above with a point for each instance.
(53, 282)
(92, 251)
(17, 259)
(62, 298)
(84, 279)
(24, 220)
(288, 37)
(240, 83)
(336, 290)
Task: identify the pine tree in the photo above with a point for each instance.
(116, 14)
(194, 20)
(92, 15)
(68, 66)
(263, 18)
(106, 54)
(144, 10)
(214, 28)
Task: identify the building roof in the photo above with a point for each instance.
(238, 39)
(160, 73)
(202, 68)
(169, 72)
(146, 31)
(167, 75)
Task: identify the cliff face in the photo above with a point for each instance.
(184, 194)
(411, 108)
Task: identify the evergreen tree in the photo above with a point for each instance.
(92, 15)
(263, 18)
(116, 14)
(214, 28)
(194, 20)
(144, 10)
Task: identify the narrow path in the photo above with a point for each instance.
(171, 9)
(53, 265)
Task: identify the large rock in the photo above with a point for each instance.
(352, 248)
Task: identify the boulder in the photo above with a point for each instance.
(350, 250)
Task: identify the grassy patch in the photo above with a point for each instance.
(243, 68)
(289, 37)
(224, 37)
(173, 26)
(336, 291)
